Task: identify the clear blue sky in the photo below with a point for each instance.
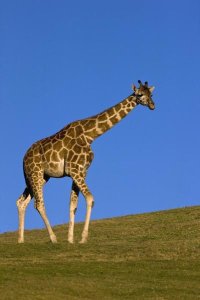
(66, 60)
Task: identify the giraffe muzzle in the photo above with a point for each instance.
(151, 106)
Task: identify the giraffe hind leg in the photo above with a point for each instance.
(73, 207)
(22, 203)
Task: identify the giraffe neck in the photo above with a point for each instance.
(99, 124)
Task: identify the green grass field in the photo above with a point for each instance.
(148, 256)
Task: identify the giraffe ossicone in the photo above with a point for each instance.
(68, 153)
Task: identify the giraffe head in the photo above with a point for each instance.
(144, 94)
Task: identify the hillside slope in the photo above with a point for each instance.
(149, 256)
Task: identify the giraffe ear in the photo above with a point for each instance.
(134, 88)
(151, 88)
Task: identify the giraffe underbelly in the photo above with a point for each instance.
(55, 169)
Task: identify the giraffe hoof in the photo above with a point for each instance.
(53, 239)
(20, 241)
(70, 241)
(83, 241)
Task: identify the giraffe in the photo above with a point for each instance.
(69, 153)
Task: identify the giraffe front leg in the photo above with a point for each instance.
(73, 207)
(90, 203)
(80, 182)
(22, 203)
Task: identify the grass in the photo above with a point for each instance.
(149, 256)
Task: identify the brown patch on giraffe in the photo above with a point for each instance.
(129, 105)
(102, 117)
(37, 168)
(119, 106)
(52, 165)
(81, 141)
(77, 149)
(111, 112)
(122, 113)
(47, 146)
(54, 156)
(70, 132)
(105, 126)
(47, 155)
(31, 166)
(81, 160)
(28, 159)
(27, 169)
(70, 143)
(58, 145)
(84, 139)
(114, 119)
(91, 133)
(36, 150)
(90, 124)
(78, 130)
(70, 155)
(62, 153)
(29, 153)
(37, 159)
(62, 134)
(54, 140)
(75, 158)
(83, 122)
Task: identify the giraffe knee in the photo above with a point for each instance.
(23, 201)
(73, 210)
(73, 205)
(90, 200)
(18, 202)
(39, 206)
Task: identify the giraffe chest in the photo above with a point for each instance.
(55, 169)
(81, 160)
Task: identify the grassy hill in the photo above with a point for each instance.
(149, 256)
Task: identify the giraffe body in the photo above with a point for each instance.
(55, 154)
(69, 153)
